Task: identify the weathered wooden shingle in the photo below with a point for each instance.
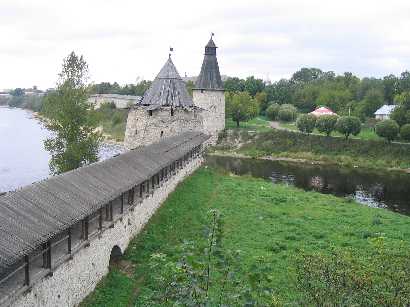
(209, 77)
(167, 89)
(33, 214)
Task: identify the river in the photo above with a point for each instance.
(380, 189)
(23, 158)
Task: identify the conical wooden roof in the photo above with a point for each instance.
(168, 89)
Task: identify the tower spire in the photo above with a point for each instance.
(210, 78)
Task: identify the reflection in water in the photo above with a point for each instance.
(23, 158)
(373, 188)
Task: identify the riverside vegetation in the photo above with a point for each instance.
(295, 145)
(273, 245)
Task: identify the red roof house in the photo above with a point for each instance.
(322, 111)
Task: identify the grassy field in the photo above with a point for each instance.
(259, 124)
(275, 222)
(365, 134)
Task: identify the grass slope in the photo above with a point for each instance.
(261, 219)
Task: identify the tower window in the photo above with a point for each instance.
(172, 112)
(150, 112)
(162, 133)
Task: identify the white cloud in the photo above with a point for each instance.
(122, 40)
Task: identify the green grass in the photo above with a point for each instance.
(365, 134)
(261, 219)
(259, 124)
(290, 144)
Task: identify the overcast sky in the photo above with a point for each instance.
(126, 40)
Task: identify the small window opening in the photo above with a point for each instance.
(202, 91)
(162, 133)
(136, 131)
(150, 112)
(172, 112)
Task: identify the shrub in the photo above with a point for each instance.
(388, 129)
(326, 124)
(306, 123)
(405, 132)
(272, 111)
(348, 125)
(287, 113)
(348, 278)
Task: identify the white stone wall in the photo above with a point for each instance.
(213, 103)
(74, 280)
(143, 129)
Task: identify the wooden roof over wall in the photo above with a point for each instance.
(34, 214)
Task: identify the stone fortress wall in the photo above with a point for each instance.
(145, 127)
(73, 280)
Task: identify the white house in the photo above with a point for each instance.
(384, 112)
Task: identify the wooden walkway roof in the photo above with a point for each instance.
(33, 214)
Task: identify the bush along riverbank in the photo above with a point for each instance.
(223, 240)
(294, 145)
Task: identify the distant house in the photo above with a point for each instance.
(322, 111)
(384, 112)
(120, 101)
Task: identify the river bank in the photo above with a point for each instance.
(270, 224)
(316, 149)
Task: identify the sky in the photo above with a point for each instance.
(126, 41)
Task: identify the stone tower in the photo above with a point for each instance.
(165, 110)
(208, 93)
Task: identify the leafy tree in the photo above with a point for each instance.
(306, 75)
(348, 125)
(399, 114)
(305, 98)
(234, 85)
(253, 85)
(306, 123)
(262, 99)
(391, 87)
(272, 111)
(372, 101)
(336, 99)
(388, 129)
(405, 132)
(281, 92)
(75, 142)
(241, 107)
(287, 113)
(17, 92)
(189, 86)
(326, 124)
(404, 81)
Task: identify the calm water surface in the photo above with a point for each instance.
(390, 190)
(23, 158)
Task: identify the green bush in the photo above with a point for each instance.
(306, 123)
(326, 124)
(405, 132)
(287, 113)
(348, 125)
(388, 129)
(295, 143)
(348, 278)
(272, 111)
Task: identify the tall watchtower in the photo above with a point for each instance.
(208, 93)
